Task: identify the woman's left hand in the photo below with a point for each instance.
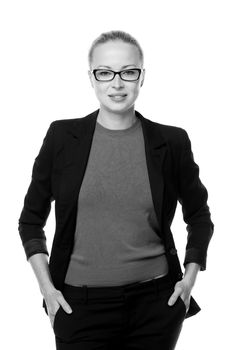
(182, 288)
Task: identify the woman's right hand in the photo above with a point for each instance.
(54, 300)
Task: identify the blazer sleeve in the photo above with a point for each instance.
(37, 201)
(193, 195)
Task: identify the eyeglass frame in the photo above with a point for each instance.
(115, 73)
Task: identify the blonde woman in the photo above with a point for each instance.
(114, 280)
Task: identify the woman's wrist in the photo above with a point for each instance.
(47, 289)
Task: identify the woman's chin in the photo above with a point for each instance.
(116, 107)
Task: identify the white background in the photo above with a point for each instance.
(188, 83)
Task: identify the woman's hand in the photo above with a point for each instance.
(182, 288)
(54, 300)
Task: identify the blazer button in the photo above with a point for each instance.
(173, 251)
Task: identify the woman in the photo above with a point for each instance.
(114, 279)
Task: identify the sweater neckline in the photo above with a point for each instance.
(117, 132)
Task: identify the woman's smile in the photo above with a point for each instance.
(117, 97)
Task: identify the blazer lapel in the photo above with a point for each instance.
(76, 152)
(155, 150)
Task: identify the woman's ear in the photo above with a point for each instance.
(90, 77)
(143, 77)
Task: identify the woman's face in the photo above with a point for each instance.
(116, 55)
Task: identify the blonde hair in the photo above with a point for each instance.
(114, 35)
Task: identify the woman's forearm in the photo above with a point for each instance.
(191, 270)
(39, 263)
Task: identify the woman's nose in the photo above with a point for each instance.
(117, 81)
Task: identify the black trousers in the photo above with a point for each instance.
(134, 316)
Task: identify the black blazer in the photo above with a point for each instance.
(57, 175)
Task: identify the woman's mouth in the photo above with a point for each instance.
(117, 98)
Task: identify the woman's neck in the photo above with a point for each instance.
(116, 121)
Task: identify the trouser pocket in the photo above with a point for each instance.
(182, 302)
(56, 315)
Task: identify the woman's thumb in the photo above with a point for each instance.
(66, 306)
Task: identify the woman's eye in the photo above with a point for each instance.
(104, 73)
(130, 73)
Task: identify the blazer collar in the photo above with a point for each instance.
(83, 127)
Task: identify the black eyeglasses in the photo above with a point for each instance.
(108, 75)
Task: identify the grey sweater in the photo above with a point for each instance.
(115, 239)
